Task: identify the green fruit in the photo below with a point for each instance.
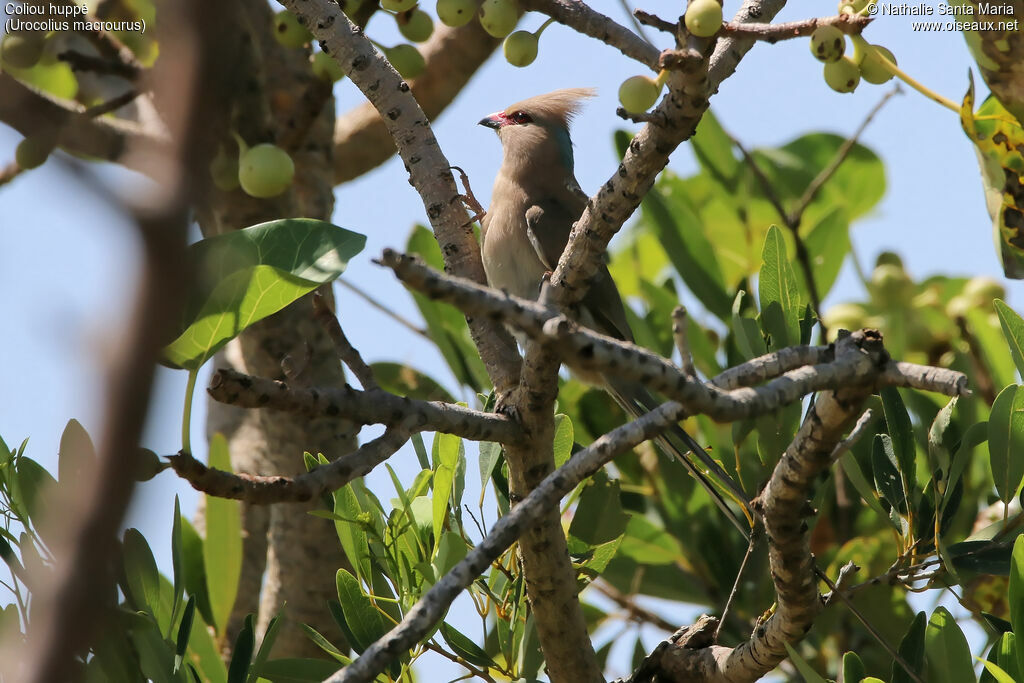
(499, 17)
(959, 306)
(415, 25)
(828, 44)
(852, 6)
(890, 284)
(521, 48)
(842, 76)
(703, 18)
(33, 152)
(638, 93)
(406, 59)
(326, 67)
(224, 170)
(398, 5)
(888, 257)
(871, 68)
(845, 317)
(288, 31)
(455, 13)
(265, 170)
(22, 50)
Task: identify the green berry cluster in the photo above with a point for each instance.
(872, 63)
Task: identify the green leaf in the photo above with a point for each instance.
(446, 325)
(898, 420)
(778, 293)
(35, 485)
(649, 544)
(912, 651)
(563, 439)
(1006, 441)
(447, 451)
(669, 214)
(364, 620)
(222, 554)
(887, 477)
(177, 557)
(194, 568)
(266, 645)
(141, 573)
(490, 456)
(853, 667)
(324, 644)
(76, 453)
(465, 647)
(1016, 596)
(827, 244)
(184, 632)
(1007, 656)
(599, 516)
(241, 654)
(861, 484)
(937, 447)
(949, 656)
(975, 435)
(450, 551)
(746, 331)
(245, 275)
(407, 381)
(1013, 330)
(997, 673)
(805, 669)
(351, 533)
(297, 670)
(714, 150)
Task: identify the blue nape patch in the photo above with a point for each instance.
(564, 147)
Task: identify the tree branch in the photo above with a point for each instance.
(581, 18)
(429, 170)
(33, 113)
(362, 407)
(261, 490)
(860, 357)
(452, 55)
(851, 24)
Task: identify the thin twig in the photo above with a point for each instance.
(868, 625)
(384, 309)
(754, 536)
(854, 436)
(680, 333)
(346, 352)
(9, 172)
(654, 21)
(636, 23)
(635, 611)
(840, 157)
(112, 104)
(100, 65)
(772, 33)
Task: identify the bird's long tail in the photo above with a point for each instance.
(636, 400)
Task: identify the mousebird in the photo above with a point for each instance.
(534, 204)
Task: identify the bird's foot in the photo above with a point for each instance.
(469, 199)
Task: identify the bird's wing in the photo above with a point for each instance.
(548, 223)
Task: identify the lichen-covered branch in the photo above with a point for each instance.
(788, 373)
(452, 55)
(429, 170)
(33, 113)
(361, 407)
(580, 17)
(861, 359)
(263, 490)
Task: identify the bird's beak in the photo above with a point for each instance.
(491, 121)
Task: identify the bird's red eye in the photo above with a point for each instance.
(520, 117)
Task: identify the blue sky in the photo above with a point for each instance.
(67, 262)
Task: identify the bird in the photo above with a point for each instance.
(535, 201)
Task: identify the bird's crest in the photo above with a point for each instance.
(559, 106)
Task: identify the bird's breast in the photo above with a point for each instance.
(509, 257)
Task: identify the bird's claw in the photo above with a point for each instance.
(469, 199)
